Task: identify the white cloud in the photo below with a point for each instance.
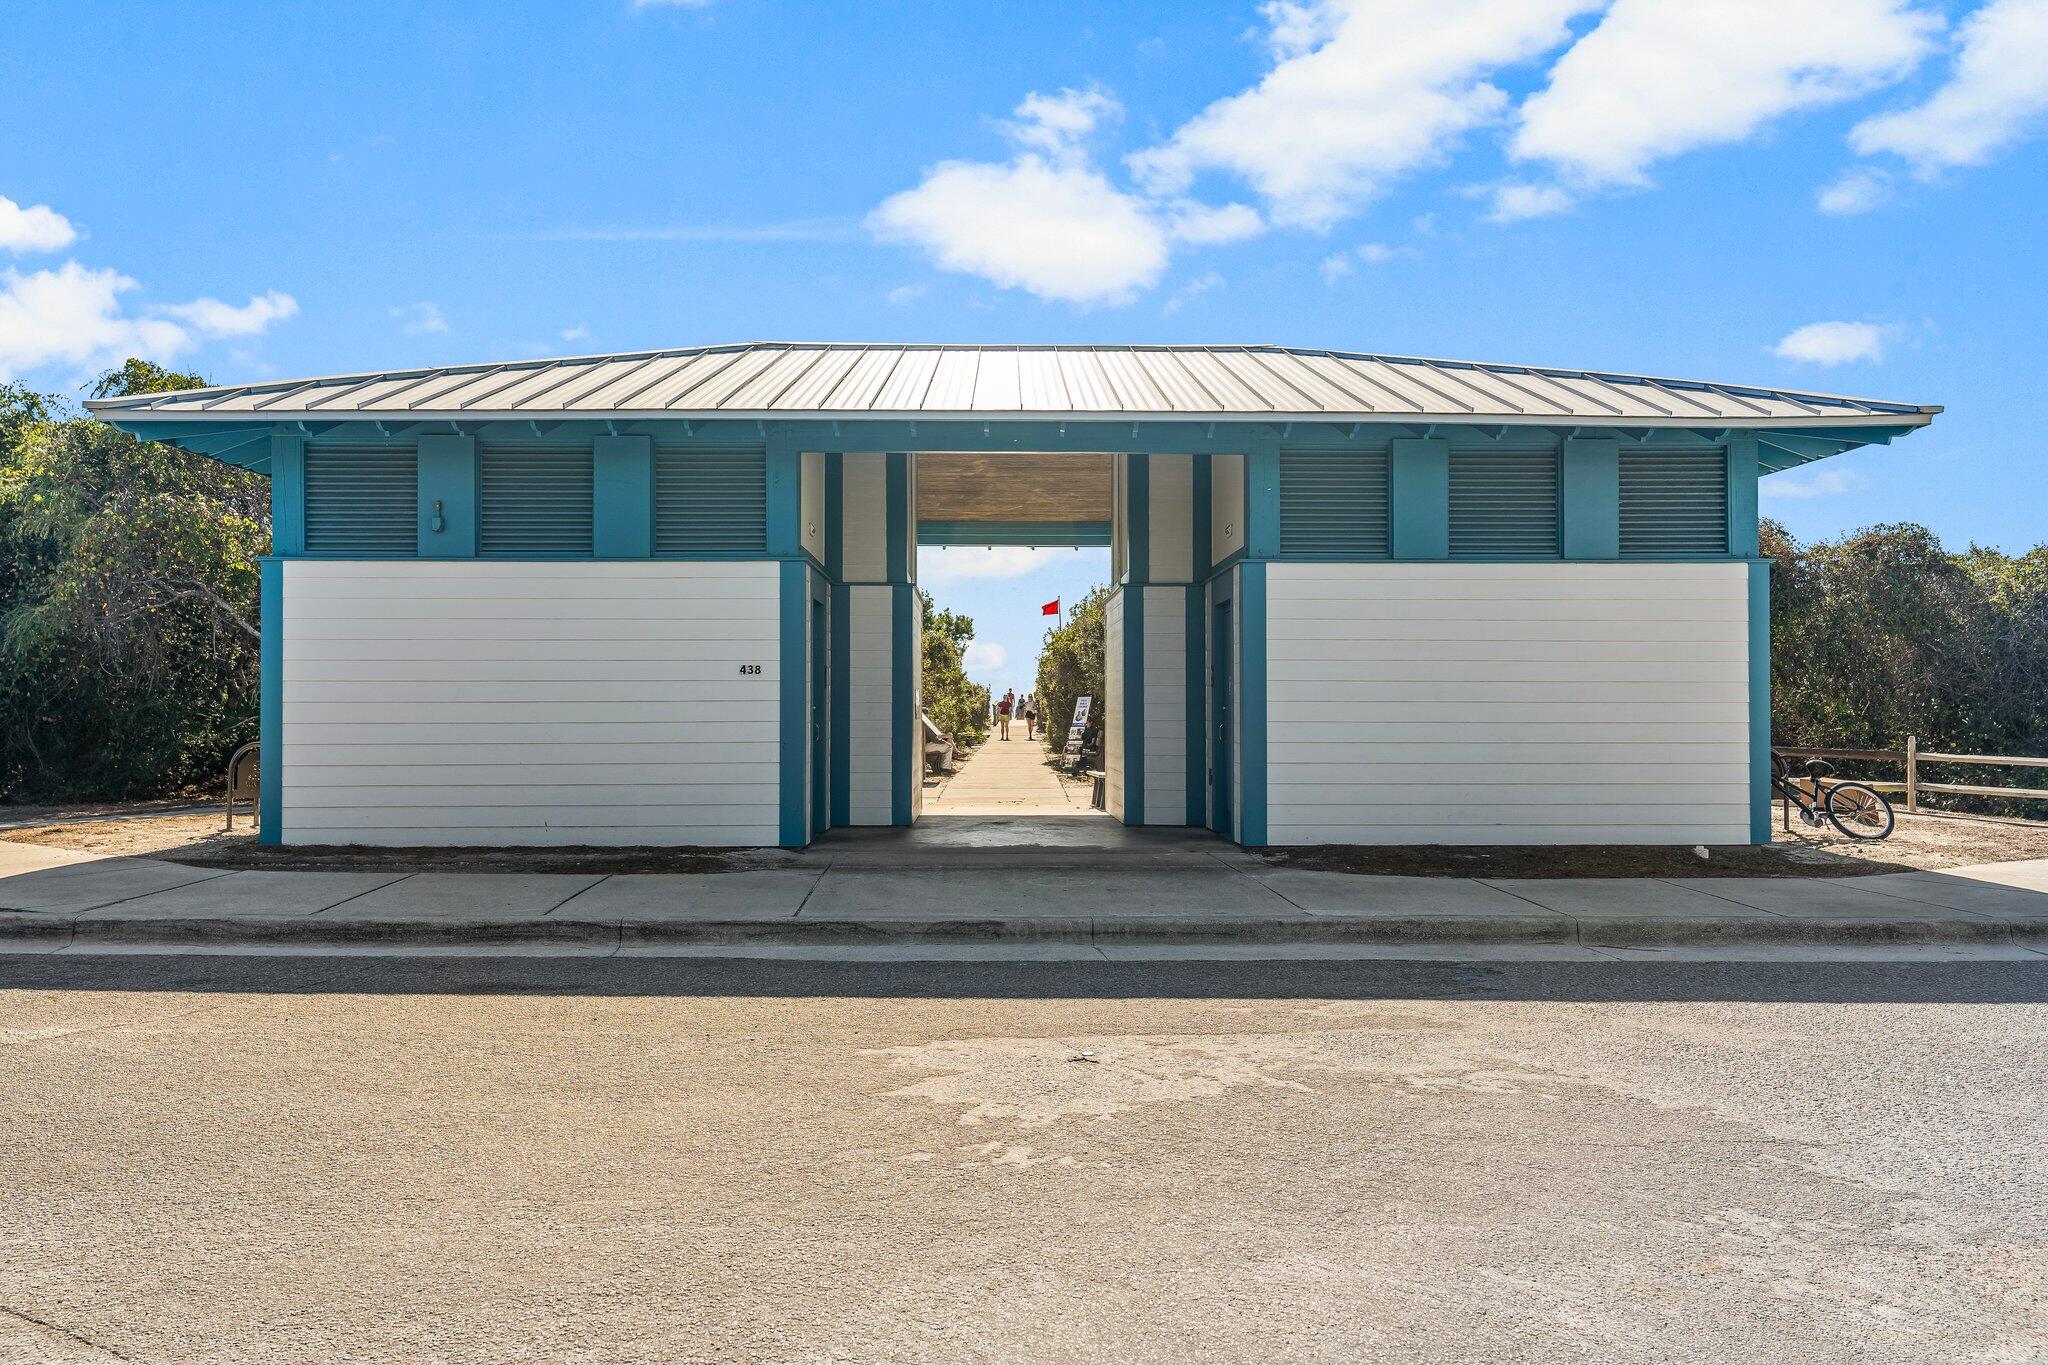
(1193, 289)
(1832, 343)
(905, 293)
(1854, 192)
(942, 563)
(1659, 77)
(35, 228)
(73, 314)
(1513, 203)
(1213, 225)
(1345, 263)
(1063, 232)
(212, 318)
(1996, 90)
(417, 319)
(1821, 483)
(1056, 125)
(1361, 92)
(577, 333)
(984, 654)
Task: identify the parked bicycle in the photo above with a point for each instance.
(1858, 811)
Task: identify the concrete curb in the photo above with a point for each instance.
(25, 932)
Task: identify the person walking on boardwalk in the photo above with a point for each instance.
(1003, 710)
(1030, 716)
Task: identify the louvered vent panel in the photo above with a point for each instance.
(710, 502)
(1333, 504)
(1503, 503)
(362, 501)
(1674, 504)
(534, 503)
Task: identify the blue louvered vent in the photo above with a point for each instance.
(362, 500)
(1503, 503)
(1333, 504)
(710, 502)
(1674, 504)
(534, 503)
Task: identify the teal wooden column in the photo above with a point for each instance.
(622, 497)
(1251, 703)
(1137, 573)
(448, 497)
(1759, 701)
(900, 546)
(1592, 498)
(1419, 498)
(287, 493)
(840, 808)
(270, 701)
(793, 679)
(1198, 659)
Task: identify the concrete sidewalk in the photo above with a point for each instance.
(1179, 895)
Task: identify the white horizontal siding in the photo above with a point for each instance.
(1166, 702)
(871, 719)
(1226, 506)
(864, 518)
(1509, 704)
(811, 507)
(1170, 525)
(464, 702)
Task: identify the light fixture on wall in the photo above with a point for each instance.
(439, 523)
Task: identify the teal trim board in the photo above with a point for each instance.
(1251, 704)
(835, 517)
(1760, 701)
(794, 681)
(1743, 472)
(1054, 533)
(1262, 500)
(1197, 708)
(270, 701)
(896, 517)
(785, 497)
(622, 497)
(1419, 498)
(908, 755)
(448, 501)
(1138, 513)
(1591, 493)
(842, 705)
(287, 493)
(1133, 702)
(1204, 505)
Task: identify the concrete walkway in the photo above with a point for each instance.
(1007, 777)
(1172, 895)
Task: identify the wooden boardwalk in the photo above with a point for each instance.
(1007, 777)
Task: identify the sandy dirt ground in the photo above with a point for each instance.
(1920, 842)
(228, 1160)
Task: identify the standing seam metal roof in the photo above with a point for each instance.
(850, 380)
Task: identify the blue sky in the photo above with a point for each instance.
(1845, 195)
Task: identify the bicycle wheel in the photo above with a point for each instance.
(1858, 811)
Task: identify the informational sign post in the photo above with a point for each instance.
(1070, 758)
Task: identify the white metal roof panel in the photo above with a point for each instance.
(847, 380)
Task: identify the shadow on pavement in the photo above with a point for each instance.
(1780, 982)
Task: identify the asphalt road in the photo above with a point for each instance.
(327, 1159)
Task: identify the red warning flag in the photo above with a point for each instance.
(1051, 608)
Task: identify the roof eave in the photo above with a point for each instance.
(105, 410)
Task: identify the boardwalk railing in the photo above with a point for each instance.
(1912, 756)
